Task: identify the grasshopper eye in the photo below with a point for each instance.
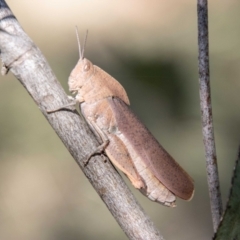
(86, 67)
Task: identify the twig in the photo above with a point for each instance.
(206, 111)
(24, 59)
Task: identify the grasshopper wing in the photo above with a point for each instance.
(147, 152)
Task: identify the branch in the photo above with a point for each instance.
(206, 111)
(24, 59)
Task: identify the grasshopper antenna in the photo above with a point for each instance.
(84, 44)
(79, 44)
(81, 51)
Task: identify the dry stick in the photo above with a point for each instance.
(206, 111)
(24, 59)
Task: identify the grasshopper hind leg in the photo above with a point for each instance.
(99, 150)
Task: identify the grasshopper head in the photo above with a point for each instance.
(82, 71)
(80, 75)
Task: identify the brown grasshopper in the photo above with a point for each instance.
(126, 141)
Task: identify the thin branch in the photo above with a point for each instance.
(206, 111)
(24, 59)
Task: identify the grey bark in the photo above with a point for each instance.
(206, 112)
(22, 57)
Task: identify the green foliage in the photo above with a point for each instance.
(229, 227)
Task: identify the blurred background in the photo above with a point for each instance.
(150, 47)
